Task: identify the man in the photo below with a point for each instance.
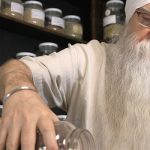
(104, 88)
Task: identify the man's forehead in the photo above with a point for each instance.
(147, 7)
(132, 5)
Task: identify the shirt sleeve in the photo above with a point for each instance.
(54, 75)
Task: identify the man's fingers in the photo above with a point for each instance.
(39, 140)
(46, 127)
(3, 135)
(13, 137)
(28, 137)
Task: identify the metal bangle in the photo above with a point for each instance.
(16, 89)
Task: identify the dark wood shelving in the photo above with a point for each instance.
(81, 8)
(31, 30)
(19, 36)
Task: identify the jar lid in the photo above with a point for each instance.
(114, 1)
(48, 44)
(21, 54)
(33, 2)
(53, 9)
(72, 17)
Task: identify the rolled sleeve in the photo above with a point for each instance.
(54, 75)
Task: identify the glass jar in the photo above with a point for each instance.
(47, 48)
(13, 8)
(33, 13)
(71, 138)
(53, 19)
(113, 20)
(23, 54)
(73, 26)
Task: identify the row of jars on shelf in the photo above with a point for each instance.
(44, 48)
(51, 18)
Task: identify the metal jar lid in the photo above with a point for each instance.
(48, 44)
(53, 10)
(22, 54)
(72, 17)
(114, 1)
(33, 2)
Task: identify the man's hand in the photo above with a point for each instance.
(24, 113)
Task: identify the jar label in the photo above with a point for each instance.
(107, 12)
(38, 14)
(16, 7)
(109, 20)
(57, 21)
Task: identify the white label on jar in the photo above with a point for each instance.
(16, 7)
(38, 14)
(107, 12)
(109, 20)
(57, 21)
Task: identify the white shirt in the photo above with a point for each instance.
(74, 80)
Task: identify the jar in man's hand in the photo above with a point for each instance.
(71, 138)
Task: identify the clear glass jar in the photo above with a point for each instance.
(33, 13)
(73, 26)
(113, 20)
(13, 8)
(71, 138)
(53, 19)
(23, 54)
(47, 48)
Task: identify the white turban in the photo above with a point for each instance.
(132, 5)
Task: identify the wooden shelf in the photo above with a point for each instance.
(20, 36)
(21, 27)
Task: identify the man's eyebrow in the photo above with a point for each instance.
(144, 10)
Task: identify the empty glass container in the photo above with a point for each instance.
(71, 138)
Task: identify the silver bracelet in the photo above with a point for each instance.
(16, 89)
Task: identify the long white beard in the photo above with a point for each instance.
(128, 94)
